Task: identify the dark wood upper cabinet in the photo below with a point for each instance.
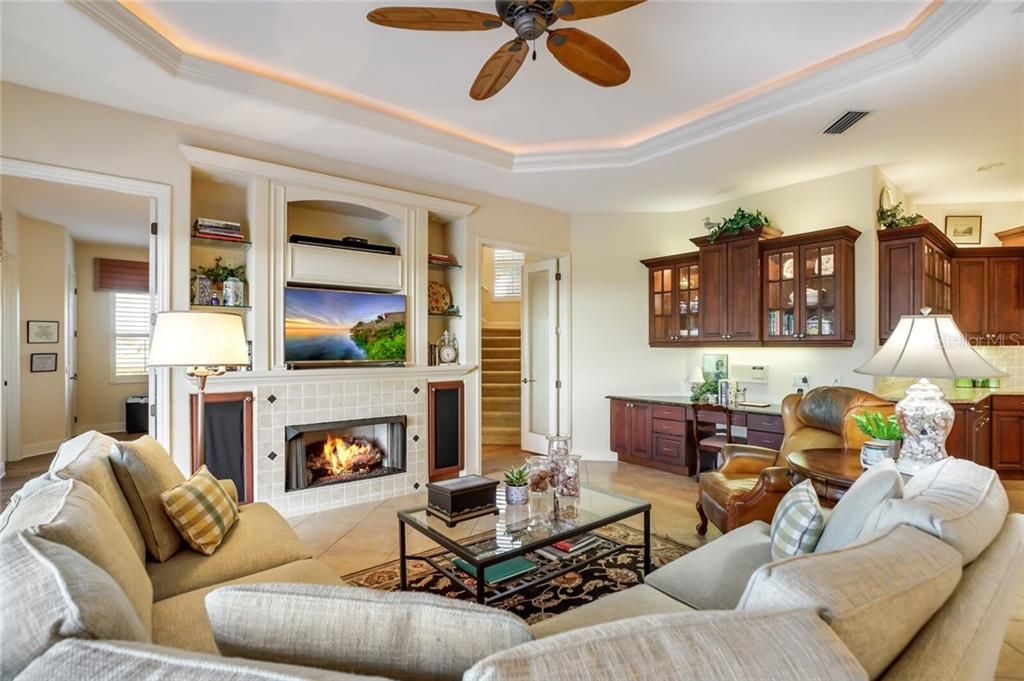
(714, 269)
(970, 291)
(1006, 298)
(674, 298)
(809, 292)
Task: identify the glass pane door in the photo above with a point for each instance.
(539, 397)
(661, 304)
(688, 295)
(819, 291)
(781, 294)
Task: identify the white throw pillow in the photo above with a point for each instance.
(797, 523)
(879, 483)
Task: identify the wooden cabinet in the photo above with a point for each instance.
(652, 435)
(631, 429)
(988, 297)
(972, 433)
(915, 270)
(673, 299)
(1008, 434)
(809, 291)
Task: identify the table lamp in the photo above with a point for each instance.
(696, 376)
(204, 343)
(926, 345)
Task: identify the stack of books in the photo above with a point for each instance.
(222, 230)
(561, 550)
(500, 572)
(441, 259)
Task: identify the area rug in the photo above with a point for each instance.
(546, 599)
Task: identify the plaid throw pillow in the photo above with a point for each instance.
(798, 522)
(201, 510)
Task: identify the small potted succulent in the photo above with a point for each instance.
(517, 486)
(886, 437)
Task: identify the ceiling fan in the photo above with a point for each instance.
(576, 50)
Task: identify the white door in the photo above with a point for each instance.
(155, 375)
(71, 353)
(540, 355)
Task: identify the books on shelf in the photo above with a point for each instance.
(441, 259)
(566, 548)
(500, 572)
(208, 228)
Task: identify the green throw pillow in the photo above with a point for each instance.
(798, 522)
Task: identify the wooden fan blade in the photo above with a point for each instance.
(588, 57)
(434, 19)
(499, 69)
(574, 10)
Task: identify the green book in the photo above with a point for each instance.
(500, 572)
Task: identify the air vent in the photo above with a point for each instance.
(844, 122)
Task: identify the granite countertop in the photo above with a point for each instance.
(962, 395)
(685, 401)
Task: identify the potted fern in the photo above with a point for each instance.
(886, 437)
(517, 486)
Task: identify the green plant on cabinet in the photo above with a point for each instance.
(740, 221)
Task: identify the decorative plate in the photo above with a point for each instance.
(439, 296)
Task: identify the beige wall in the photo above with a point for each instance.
(995, 217)
(107, 140)
(499, 313)
(100, 401)
(42, 286)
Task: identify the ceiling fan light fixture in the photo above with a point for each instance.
(530, 25)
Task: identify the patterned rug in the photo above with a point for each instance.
(547, 598)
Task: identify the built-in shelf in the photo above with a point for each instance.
(444, 314)
(444, 266)
(220, 307)
(222, 244)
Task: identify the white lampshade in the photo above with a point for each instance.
(198, 339)
(928, 346)
(696, 375)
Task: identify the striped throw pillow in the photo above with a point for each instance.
(202, 511)
(798, 522)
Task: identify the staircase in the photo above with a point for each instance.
(501, 386)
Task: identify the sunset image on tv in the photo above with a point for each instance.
(336, 326)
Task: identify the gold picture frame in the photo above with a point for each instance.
(964, 229)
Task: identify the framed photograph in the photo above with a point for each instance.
(42, 362)
(716, 367)
(964, 229)
(43, 332)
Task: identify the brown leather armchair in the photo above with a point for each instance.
(752, 480)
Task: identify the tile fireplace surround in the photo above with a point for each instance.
(277, 406)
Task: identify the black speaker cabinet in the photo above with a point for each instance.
(227, 443)
(446, 418)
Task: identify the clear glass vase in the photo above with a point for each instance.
(567, 476)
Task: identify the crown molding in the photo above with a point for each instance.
(897, 50)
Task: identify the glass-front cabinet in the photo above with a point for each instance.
(809, 289)
(674, 299)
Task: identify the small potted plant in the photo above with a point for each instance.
(740, 221)
(886, 437)
(895, 218)
(517, 486)
(703, 392)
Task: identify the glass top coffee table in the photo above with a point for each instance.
(519, 530)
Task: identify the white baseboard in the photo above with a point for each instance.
(38, 448)
(500, 325)
(100, 427)
(596, 455)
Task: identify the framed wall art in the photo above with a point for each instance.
(964, 229)
(40, 362)
(43, 332)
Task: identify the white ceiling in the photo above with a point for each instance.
(703, 119)
(88, 214)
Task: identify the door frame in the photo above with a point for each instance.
(160, 200)
(474, 451)
(528, 440)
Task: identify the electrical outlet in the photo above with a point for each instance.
(801, 380)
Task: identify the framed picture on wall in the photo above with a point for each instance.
(43, 332)
(964, 229)
(42, 361)
(716, 367)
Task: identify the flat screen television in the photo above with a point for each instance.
(329, 326)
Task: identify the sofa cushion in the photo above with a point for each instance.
(878, 484)
(641, 599)
(50, 593)
(202, 511)
(958, 501)
(876, 595)
(181, 621)
(70, 513)
(260, 540)
(797, 523)
(695, 646)
(713, 577)
(401, 635)
(118, 660)
(964, 639)
(86, 458)
(144, 470)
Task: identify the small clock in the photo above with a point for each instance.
(448, 349)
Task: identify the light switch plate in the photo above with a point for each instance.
(801, 380)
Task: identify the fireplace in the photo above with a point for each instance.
(320, 454)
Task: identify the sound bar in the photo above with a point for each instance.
(350, 243)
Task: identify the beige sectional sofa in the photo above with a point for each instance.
(922, 589)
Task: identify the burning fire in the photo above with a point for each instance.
(344, 456)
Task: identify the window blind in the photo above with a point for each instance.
(131, 334)
(508, 273)
(120, 275)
